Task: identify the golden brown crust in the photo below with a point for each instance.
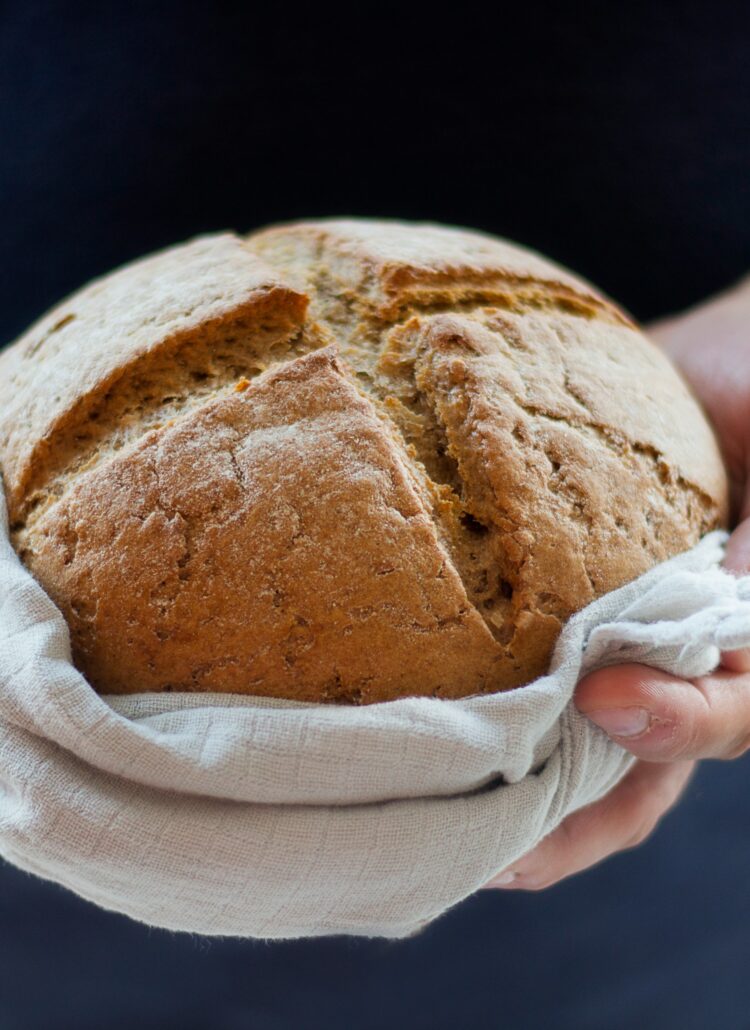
(273, 542)
(386, 268)
(405, 491)
(55, 375)
(566, 497)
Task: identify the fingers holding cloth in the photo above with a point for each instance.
(668, 723)
(662, 718)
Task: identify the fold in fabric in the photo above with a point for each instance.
(234, 815)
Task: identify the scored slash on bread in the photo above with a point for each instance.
(273, 536)
(343, 461)
(94, 364)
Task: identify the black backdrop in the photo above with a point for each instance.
(616, 138)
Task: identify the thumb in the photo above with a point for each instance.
(661, 718)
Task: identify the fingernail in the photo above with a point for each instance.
(621, 722)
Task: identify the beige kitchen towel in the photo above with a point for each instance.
(221, 814)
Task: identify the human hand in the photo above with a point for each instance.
(666, 722)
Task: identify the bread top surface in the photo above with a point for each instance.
(292, 496)
(343, 461)
(384, 268)
(54, 378)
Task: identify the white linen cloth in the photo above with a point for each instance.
(221, 814)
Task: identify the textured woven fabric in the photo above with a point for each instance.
(232, 815)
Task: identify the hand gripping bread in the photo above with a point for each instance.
(342, 461)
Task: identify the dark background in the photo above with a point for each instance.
(615, 138)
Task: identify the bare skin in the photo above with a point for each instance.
(664, 721)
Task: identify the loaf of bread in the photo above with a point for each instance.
(342, 461)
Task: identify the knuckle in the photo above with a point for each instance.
(648, 818)
(647, 824)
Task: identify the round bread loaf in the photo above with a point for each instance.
(342, 461)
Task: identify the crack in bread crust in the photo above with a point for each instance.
(164, 387)
(374, 339)
(486, 385)
(132, 326)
